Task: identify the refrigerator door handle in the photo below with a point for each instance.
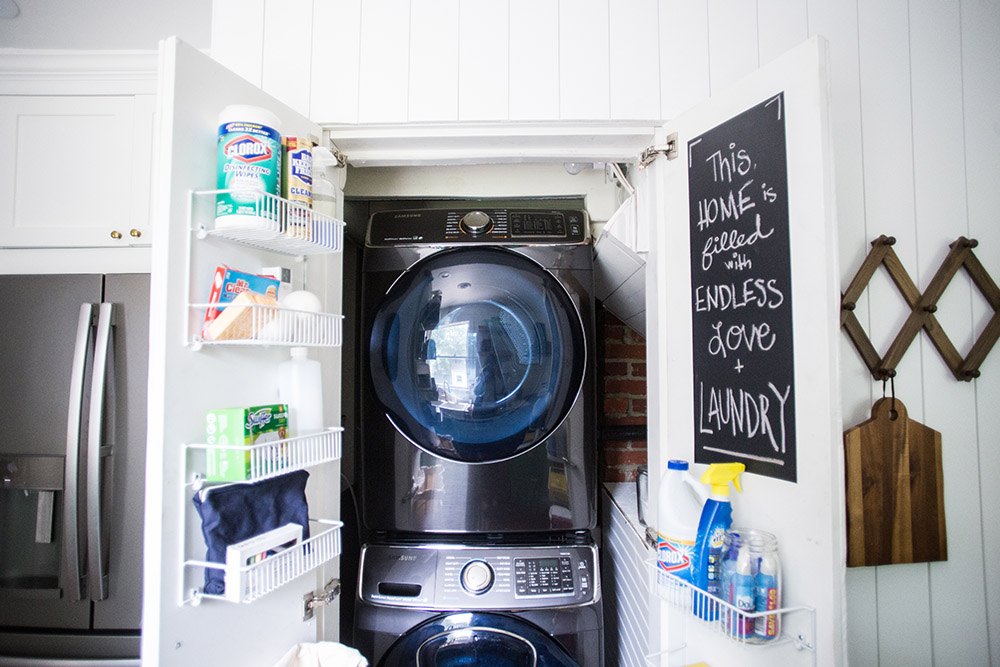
(74, 582)
(98, 527)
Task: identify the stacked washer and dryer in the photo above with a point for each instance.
(477, 467)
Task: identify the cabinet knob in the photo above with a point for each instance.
(134, 233)
(115, 234)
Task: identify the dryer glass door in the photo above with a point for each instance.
(476, 638)
(487, 647)
(477, 354)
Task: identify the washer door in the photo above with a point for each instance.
(477, 354)
(470, 638)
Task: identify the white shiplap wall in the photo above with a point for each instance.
(398, 61)
(915, 93)
(625, 578)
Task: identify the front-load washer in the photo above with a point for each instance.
(463, 604)
(478, 399)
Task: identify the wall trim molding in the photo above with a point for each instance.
(44, 71)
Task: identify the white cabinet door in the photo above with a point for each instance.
(77, 170)
(185, 381)
(734, 211)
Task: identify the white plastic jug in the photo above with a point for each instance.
(681, 498)
(300, 388)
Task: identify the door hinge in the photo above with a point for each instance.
(652, 152)
(340, 156)
(313, 600)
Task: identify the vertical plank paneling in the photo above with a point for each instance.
(584, 60)
(888, 160)
(534, 60)
(981, 98)
(433, 60)
(482, 61)
(733, 43)
(238, 36)
(684, 78)
(336, 51)
(635, 61)
(781, 24)
(903, 590)
(624, 572)
(287, 71)
(862, 617)
(958, 612)
(384, 68)
(838, 22)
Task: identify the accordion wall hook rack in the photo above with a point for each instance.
(923, 307)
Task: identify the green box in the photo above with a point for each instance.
(240, 426)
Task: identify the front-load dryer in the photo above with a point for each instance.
(448, 605)
(478, 399)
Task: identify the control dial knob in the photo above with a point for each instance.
(476, 222)
(477, 577)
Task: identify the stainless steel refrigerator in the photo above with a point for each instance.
(73, 369)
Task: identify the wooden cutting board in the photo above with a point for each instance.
(895, 490)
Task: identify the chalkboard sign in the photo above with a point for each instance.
(741, 293)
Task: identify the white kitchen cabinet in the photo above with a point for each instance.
(77, 133)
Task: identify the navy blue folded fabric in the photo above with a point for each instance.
(233, 513)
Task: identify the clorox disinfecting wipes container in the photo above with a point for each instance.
(249, 163)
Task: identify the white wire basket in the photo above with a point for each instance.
(748, 628)
(259, 324)
(272, 459)
(251, 582)
(277, 224)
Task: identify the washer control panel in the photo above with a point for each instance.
(480, 577)
(544, 576)
(493, 226)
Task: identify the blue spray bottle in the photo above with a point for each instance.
(716, 518)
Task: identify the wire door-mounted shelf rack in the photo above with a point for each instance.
(267, 561)
(277, 457)
(246, 582)
(279, 226)
(727, 621)
(275, 325)
(249, 582)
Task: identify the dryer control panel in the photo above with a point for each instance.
(436, 576)
(492, 226)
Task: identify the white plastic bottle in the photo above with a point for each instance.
(300, 387)
(324, 194)
(680, 502)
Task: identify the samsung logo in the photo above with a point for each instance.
(407, 215)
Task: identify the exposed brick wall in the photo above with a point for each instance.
(622, 391)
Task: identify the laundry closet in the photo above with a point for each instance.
(487, 148)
